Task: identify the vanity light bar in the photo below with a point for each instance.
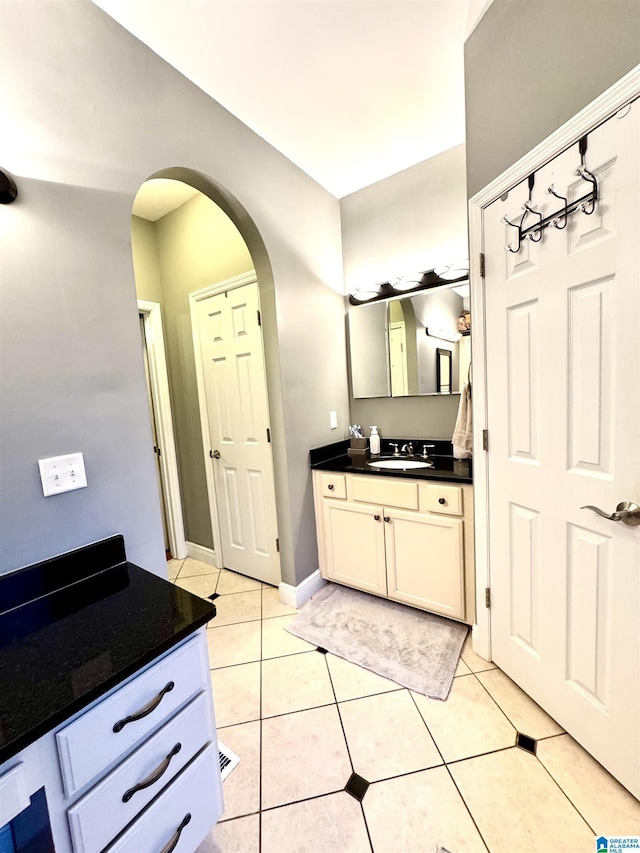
(443, 334)
(387, 290)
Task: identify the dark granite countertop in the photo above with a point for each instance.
(334, 457)
(74, 627)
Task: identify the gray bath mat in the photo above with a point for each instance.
(415, 649)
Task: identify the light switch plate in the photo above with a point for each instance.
(62, 474)
(333, 420)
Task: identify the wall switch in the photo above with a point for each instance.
(333, 420)
(62, 474)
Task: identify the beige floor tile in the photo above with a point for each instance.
(173, 568)
(234, 836)
(237, 607)
(472, 660)
(420, 813)
(333, 823)
(303, 755)
(387, 736)
(232, 644)
(468, 722)
(517, 806)
(192, 567)
(271, 604)
(232, 582)
(461, 669)
(277, 642)
(202, 585)
(351, 681)
(602, 801)
(524, 713)
(295, 683)
(236, 694)
(241, 788)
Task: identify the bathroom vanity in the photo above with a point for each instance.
(404, 533)
(107, 727)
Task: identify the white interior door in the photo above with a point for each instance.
(233, 373)
(563, 413)
(398, 359)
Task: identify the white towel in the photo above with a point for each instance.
(463, 431)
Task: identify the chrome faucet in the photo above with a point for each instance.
(408, 449)
(425, 452)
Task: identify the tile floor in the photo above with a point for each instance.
(441, 774)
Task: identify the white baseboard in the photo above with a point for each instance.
(199, 552)
(296, 596)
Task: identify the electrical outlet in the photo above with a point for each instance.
(333, 420)
(62, 474)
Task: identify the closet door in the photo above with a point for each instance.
(563, 393)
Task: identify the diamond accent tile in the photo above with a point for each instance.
(357, 787)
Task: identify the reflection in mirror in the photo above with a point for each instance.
(411, 345)
(443, 371)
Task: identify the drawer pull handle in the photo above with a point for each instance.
(442, 501)
(331, 487)
(168, 848)
(153, 777)
(143, 712)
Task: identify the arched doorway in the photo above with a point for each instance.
(197, 241)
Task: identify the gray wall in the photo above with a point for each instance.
(146, 263)
(530, 67)
(88, 114)
(411, 221)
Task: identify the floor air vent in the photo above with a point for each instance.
(228, 760)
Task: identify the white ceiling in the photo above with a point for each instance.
(351, 91)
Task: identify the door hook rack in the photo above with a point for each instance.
(558, 219)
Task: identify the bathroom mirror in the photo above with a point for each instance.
(410, 346)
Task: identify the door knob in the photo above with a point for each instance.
(214, 454)
(627, 512)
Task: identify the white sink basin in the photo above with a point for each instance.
(401, 464)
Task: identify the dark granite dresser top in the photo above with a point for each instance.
(73, 627)
(334, 457)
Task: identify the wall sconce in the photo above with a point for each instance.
(8, 188)
(411, 283)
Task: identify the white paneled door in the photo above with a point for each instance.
(563, 392)
(233, 375)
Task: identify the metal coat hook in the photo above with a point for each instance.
(559, 219)
(590, 205)
(535, 228)
(564, 216)
(517, 225)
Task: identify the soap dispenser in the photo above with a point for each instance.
(374, 441)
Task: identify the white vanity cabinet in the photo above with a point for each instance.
(408, 540)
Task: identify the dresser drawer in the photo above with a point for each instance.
(102, 813)
(385, 491)
(112, 728)
(442, 499)
(333, 486)
(193, 801)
